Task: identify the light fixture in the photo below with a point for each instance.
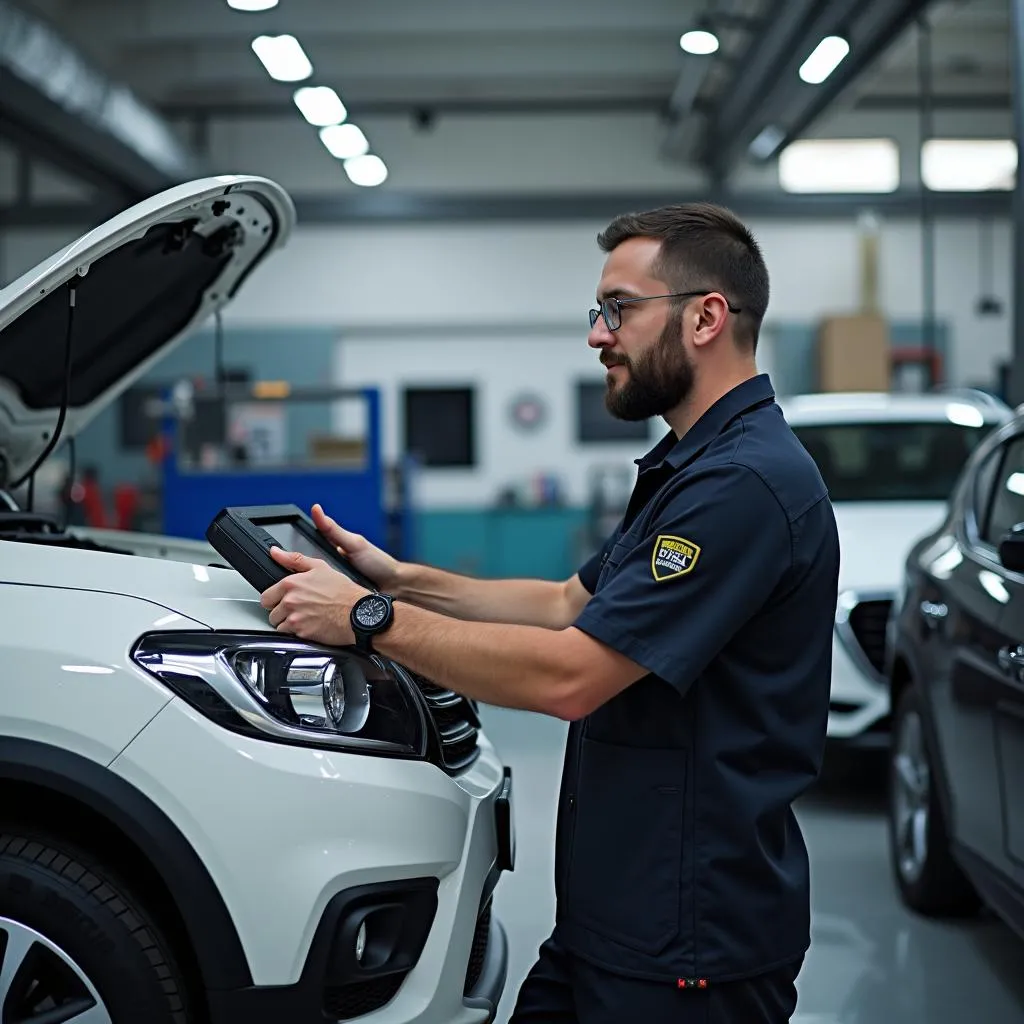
(283, 57)
(320, 105)
(767, 141)
(367, 170)
(699, 42)
(969, 165)
(344, 141)
(824, 59)
(840, 165)
(252, 5)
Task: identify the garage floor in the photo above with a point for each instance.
(871, 962)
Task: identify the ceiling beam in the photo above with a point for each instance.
(58, 108)
(538, 106)
(767, 94)
(385, 207)
(907, 102)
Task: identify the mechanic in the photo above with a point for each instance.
(691, 655)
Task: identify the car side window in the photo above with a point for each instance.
(1006, 508)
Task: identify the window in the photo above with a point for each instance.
(890, 461)
(439, 426)
(595, 424)
(984, 481)
(968, 165)
(1008, 499)
(840, 165)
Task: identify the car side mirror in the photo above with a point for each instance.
(1011, 549)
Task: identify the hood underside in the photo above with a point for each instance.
(143, 281)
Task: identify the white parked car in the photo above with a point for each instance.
(890, 462)
(188, 832)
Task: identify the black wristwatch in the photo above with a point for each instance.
(371, 615)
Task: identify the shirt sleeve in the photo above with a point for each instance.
(591, 569)
(708, 561)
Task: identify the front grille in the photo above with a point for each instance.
(868, 620)
(344, 1002)
(455, 722)
(478, 954)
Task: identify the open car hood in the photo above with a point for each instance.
(145, 280)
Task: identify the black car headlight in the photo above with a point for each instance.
(290, 691)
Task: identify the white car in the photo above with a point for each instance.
(890, 462)
(185, 834)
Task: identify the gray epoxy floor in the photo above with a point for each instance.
(871, 961)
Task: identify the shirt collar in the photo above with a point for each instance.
(676, 452)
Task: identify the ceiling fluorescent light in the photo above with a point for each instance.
(969, 165)
(283, 57)
(767, 141)
(344, 141)
(367, 170)
(252, 5)
(320, 105)
(840, 165)
(699, 42)
(827, 56)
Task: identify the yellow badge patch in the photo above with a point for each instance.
(672, 557)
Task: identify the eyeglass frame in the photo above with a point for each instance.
(603, 308)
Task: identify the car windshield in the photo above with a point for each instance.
(893, 461)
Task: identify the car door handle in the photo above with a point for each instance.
(1011, 660)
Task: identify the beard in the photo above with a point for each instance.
(659, 379)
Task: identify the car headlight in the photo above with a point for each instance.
(290, 691)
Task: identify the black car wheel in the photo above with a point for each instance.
(75, 946)
(929, 879)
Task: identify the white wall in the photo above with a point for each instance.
(502, 364)
(504, 307)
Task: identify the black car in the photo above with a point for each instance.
(955, 661)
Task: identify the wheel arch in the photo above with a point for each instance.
(42, 785)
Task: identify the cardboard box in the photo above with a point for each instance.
(854, 354)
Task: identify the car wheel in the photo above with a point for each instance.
(75, 946)
(929, 879)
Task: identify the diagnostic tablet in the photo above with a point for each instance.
(243, 536)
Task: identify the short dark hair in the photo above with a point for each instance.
(702, 246)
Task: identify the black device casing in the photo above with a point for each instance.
(238, 537)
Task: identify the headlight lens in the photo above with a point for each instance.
(290, 691)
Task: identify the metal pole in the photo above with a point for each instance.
(924, 67)
(1016, 376)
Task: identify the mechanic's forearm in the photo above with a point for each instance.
(520, 601)
(524, 667)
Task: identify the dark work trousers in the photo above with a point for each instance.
(562, 989)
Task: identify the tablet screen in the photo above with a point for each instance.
(292, 539)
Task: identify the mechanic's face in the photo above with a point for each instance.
(649, 370)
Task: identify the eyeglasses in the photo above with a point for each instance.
(611, 309)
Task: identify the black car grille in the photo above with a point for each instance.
(478, 954)
(456, 723)
(868, 620)
(345, 1002)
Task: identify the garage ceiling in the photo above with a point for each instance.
(191, 60)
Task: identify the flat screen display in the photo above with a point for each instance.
(292, 539)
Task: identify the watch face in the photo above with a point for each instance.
(371, 612)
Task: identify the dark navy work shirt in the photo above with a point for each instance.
(678, 853)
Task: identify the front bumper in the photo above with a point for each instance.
(302, 844)
(859, 699)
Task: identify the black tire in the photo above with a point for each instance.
(937, 887)
(62, 894)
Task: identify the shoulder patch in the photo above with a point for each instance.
(672, 557)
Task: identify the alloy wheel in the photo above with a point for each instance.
(911, 793)
(41, 984)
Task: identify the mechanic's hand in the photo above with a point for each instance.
(377, 565)
(314, 602)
